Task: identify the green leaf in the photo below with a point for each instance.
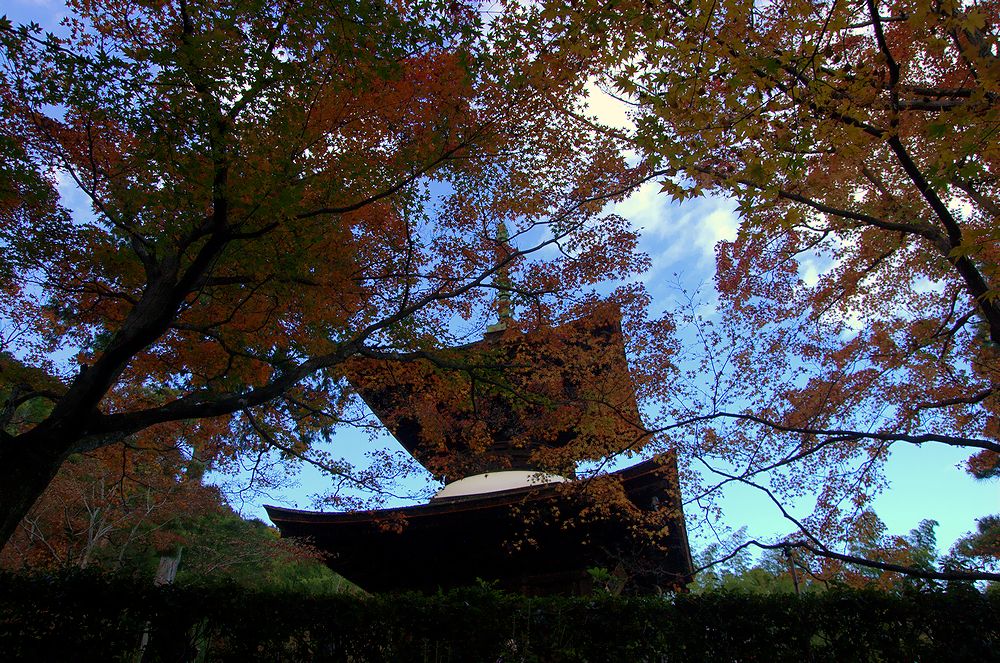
(772, 65)
(975, 19)
(937, 130)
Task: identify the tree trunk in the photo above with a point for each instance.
(26, 469)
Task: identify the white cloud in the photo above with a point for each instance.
(852, 324)
(73, 198)
(809, 271)
(606, 109)
(680, 237)
(960, 207)
(644, 207)
(923, 285)
(720, 225)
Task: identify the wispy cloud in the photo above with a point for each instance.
(606, 109)
(73, 198)
(680, 237)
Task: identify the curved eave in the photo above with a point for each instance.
(451, 542)
(635, 478)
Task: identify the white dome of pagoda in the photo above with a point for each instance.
(494, 482)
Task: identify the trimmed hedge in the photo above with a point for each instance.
(96, 618)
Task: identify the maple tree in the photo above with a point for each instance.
(273, 188)
(124, 507)
(109, 508)
(859, 305)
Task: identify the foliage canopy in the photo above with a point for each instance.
(859, 304)
(273, 189)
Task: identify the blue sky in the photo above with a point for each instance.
(924, 482)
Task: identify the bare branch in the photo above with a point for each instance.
(950, 440)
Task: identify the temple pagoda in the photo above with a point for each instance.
(503, 422)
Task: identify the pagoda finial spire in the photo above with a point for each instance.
(502, 284)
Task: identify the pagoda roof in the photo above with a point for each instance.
(536, 400)
(539, 400)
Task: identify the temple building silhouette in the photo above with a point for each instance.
(503, 422)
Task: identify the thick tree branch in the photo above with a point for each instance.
(822, 551)
(971, 399)
(950, 440)
(817, 547)
(920, 230)
(388, 191)
(973, 277)
(977, 197)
